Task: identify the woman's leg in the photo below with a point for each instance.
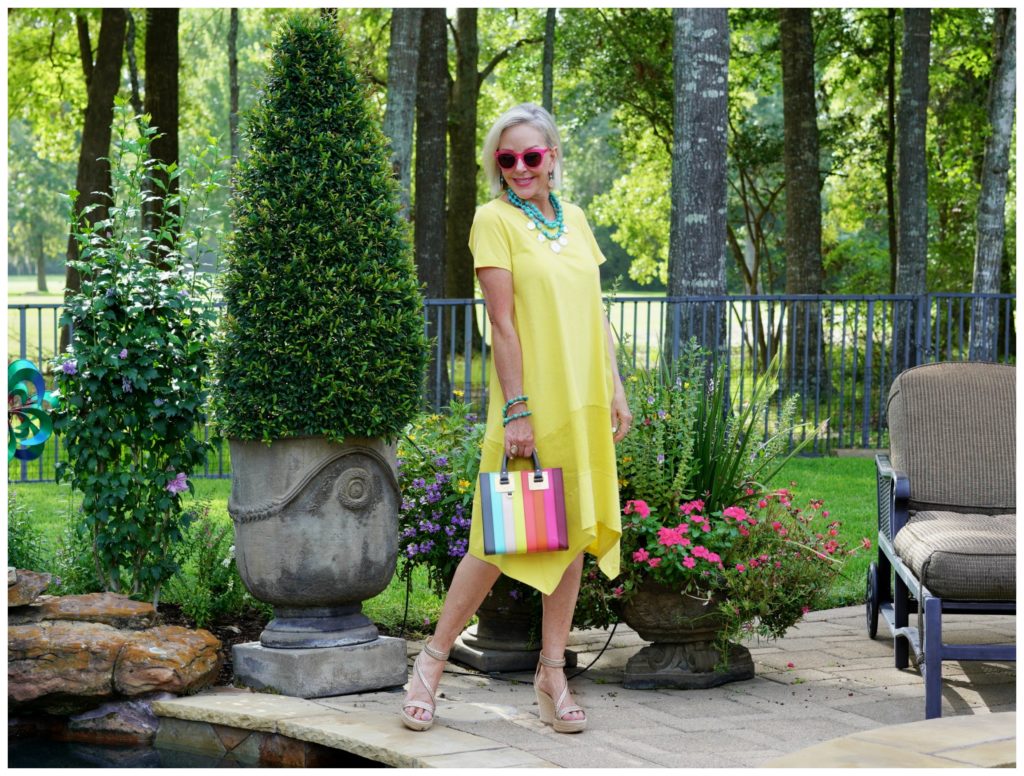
(472, 582)
(558, 610)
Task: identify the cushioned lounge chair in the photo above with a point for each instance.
(946, 513)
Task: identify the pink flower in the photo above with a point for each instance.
(743, 531)
(683, 528)
(762, 503)
(865, 543)
(654, 562)
(713, 557)
(179, 484)
(628, 509)
(790, 665)
(692, 506)
(740, 567)
(689, 562)
(824, 513)
(700, 551)
(641, 508)
(805, 609)
(641, 555)
(706, 528)
(685, 542)
(776, 525)
(669, 536)
(737, 513)
(750, 491)
(754, 564)
(617, 592)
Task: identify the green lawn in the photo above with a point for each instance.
(846, 484)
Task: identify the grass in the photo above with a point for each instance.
(846, 484)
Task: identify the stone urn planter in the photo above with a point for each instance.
(316, 534)
(506, 636)
(683, 654)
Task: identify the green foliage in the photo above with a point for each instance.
(26, 548)
(439, 458)
(207, 584)
(74, 563)
(323, 333)
(133, 380)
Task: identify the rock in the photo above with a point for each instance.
(168, 658)
(58, 662)
(27, 588)
(120, 723)
(12, 575)
(108, 608)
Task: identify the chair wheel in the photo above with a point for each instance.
(871, 600)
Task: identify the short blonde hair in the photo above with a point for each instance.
(524, 113)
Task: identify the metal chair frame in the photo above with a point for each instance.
(911, 596)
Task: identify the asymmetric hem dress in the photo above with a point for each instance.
(567, 376)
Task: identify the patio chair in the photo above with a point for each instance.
(946, 513)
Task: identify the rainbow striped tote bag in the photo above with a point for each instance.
(523, 512)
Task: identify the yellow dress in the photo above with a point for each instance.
(568, 378)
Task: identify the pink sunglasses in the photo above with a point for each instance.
(532, 157)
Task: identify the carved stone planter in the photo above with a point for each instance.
(316, 534)
(683, 655)
(506, 636)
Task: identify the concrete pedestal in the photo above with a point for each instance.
(685, 667)
(322, 672)
(498, 656)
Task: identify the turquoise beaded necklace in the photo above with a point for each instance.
(552, 230)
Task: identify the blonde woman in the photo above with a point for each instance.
(555, 389)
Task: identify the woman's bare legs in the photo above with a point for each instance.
(472, 582)
(558, 609)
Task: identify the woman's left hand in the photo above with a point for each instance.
(622, 418)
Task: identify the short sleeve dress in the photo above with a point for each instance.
(568, 378)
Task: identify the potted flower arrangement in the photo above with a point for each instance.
(709, 553)
(319, 364)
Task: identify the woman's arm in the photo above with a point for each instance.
(622, 418)
(496, 285)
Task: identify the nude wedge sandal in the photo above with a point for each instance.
(552, 713)
(407, 719)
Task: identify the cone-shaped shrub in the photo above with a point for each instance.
(323, 333)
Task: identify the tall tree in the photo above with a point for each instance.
(400, 113)
(804, 273)
(233, 86)
(161, 103)
(890, 149)
(988, 253)
(912, 122)
(697, 241)
(103, 77)
(548, 67)
(431, 156)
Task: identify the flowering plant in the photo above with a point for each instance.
(765, 565)
(439, 459)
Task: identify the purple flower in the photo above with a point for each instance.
(110, 293)
(123, 353)
(662, 414)
(441, 461)
(69, 367)
(449, 530)
(126, 385)
(412, 550)
(179, 484)
(471, 417)
(650, 400)
(419, 482)
(159, 402)
(661, 458)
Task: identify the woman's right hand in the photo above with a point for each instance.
(519, 438)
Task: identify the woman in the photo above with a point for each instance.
(554, 360)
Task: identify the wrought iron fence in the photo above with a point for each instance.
(838, 353)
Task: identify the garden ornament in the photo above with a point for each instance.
(28, 423)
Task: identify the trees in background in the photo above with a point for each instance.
(988, 252)
(400, 114)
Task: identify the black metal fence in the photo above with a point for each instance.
(839, 354)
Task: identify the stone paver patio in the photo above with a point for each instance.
(842, 688)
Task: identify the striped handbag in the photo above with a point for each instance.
(523, 512)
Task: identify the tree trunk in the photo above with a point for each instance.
(988, 252)
(548, 89)
(462, 169)
(40, 263)
(400, 113)
(93, 177)
(233, 86)
(162, 106)
(804, 273)
(890, 151)
(698, 235)
(133, 68)
(912, 244)
(431, 156)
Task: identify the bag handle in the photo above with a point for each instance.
(538, 475)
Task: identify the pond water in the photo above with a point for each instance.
(43, 753)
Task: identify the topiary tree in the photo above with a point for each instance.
(323, 334)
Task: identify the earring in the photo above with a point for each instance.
(551, 176)
(501, 179)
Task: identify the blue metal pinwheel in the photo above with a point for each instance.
(28, 423)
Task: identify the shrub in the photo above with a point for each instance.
(207, 584)
(323, 333)
(25, 546)
(132, 383)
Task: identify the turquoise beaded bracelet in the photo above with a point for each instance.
(510, 402)
(510, 418)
